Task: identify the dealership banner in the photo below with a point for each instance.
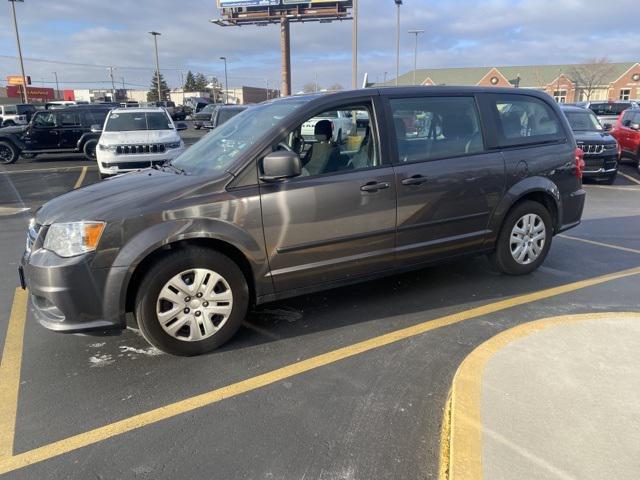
(34, 93)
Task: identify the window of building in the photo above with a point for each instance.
(429, 128)
(525, 120)
(560, 96)
(625, 94)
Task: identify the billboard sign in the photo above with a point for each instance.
(17, 80)
(35, 93)
(247, 3)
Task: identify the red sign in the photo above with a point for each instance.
(34, 93)
(69, 95)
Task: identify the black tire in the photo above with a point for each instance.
(89, 149)
(9, 153)
(172, 264)
(104, 175)
(8, 123)
(502, 257)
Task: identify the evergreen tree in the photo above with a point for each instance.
(152, 94)
(190, 83)
(200, 82)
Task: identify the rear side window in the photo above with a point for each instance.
(428, 128)
(68, 119)
(630, 117)
(606, 108)
(524, 120)
(94, 117)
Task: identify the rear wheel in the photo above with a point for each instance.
(191, 301)
(8, 123)
(89, 149)
(8, 153)
(524, 240)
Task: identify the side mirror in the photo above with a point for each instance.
(280, 165)
(635, 126)
(181, 126)
(96, 128)
(607, 127)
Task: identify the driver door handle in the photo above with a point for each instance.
(374, 186)
(414, 180)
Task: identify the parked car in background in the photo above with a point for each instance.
(27, 109)
(601, 150)
(130, 104)
(608, 112)
(341, 123)
(223, 113)
(249, 215)
(627, 131)
(203, 116)
(197, 103)
(135, 138)
(10, 116)
(66, 130)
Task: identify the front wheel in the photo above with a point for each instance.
(8, 153)
(191, 301)
(524, 240)
(89, 149)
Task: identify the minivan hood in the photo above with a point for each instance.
(120, 197)
(139, 137)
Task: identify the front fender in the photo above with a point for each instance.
(86, 136)
(517, 191)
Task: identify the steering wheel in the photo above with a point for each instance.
(285, 146)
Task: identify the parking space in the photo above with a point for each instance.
(348, 383)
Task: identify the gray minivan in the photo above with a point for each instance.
(253, 212)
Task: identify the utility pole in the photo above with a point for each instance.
(15, 26)
(226, 81)
(285, 46)
(182, 80)
(155, 40)
(415, 53)
(398, 3)
(55, 74)
(113, 85)
(385, 77)
(354, 47)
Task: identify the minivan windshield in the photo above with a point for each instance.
(607, 108)
(220, 148)
(583, 121)
(134, 121)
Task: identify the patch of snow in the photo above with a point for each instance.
(101, 360)
(151, 351)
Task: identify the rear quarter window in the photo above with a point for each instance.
(525, 120)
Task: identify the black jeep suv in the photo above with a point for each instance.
(54, 131)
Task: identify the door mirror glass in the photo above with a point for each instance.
(280, 165)
(181, 126)
(95, 128)
(635, 126)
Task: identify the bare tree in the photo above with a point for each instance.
(591, 75)
(335, 87)
(310, 87)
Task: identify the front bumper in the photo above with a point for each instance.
(600, 167)
(68, 294)
(110, 163)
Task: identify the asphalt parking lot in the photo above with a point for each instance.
(345, 384)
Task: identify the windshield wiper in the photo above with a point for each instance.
(174, 168)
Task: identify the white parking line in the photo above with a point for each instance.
(629, 177)
(7, 211)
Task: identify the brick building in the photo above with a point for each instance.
(620, 81)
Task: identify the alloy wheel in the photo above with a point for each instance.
(527, 238)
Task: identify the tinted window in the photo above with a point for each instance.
(525, 120)
(136, 121)
(627, 117)
(94, 117)
(44, 119)
(609, 108)
(583, 121)
(68, 119)
(436, 127)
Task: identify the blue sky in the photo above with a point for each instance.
(85, 36)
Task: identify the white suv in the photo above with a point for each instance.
(134, 138)
(9, 116)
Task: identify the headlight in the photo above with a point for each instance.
(110, 148)
(173, 145)
(71, 239)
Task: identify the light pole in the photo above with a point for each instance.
(415, 53)
(226, 81)
(155, 40)
(15, 26)
(354, 47)
(398, 3)
(55, 74)
(113, 85)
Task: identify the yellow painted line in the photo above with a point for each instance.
(10, 372)
(83, 174)
(187, 405)
(464, 442)
(600, 244)
(46, 170)
(629, 177)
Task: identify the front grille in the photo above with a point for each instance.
(140, 149)
(32, 236)
(590, 149)
(132, 165)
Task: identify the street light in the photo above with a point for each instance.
(226, 81)
(415, 53)
(155, 40)
(15, 26)
(354, 47)
(55, 74)
(398, 3)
